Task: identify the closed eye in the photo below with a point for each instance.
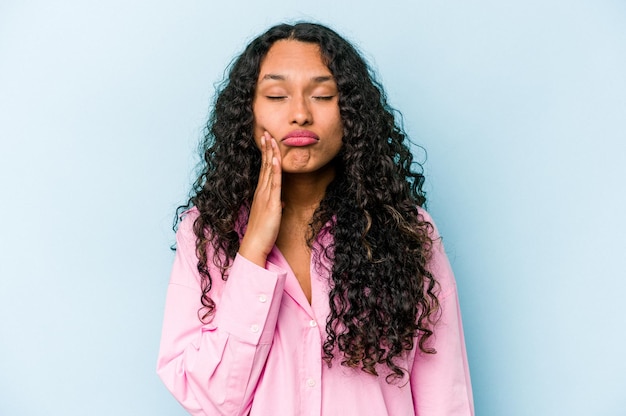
(275, 97)
(324, 97)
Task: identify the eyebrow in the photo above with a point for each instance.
(278, 77)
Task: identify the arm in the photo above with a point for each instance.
(214, 368)
(441, 382)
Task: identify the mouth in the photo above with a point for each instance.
(298, 138)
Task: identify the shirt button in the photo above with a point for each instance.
(262, 298)
(254, 328)
(312, 323)
(310, 382)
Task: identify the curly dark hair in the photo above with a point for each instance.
(382, 295)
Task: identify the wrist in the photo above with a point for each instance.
(256, 256)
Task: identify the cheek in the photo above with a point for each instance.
(337, 122)
(265, 119)
(262, 118)
(258, 126)
(339, 132)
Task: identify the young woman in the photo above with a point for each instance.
(308, 280)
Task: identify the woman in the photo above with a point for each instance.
(307, 278)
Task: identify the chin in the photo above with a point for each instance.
(297, 169)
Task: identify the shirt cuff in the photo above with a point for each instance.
(250, 302)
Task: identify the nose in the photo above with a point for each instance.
(300, 111)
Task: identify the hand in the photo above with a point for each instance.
(266, 209)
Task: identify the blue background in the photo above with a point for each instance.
(521, 106)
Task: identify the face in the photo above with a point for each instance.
(296, 102)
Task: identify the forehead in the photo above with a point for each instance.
(291, 57)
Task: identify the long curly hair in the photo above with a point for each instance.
(382, 295)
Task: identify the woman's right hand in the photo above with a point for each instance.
(266, 209)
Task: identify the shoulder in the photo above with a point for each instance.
(187, 219)
(439, 265)
(424, 216)
(186, 223)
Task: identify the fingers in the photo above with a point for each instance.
(264, 154)
(266, 208)
(276, 165)
(271, 171)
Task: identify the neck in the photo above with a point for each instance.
(303, 192)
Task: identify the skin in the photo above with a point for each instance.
(295, 91)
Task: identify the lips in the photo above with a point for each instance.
(298, 138)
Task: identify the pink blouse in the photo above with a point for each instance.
(262, 352)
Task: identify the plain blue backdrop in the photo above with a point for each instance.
(521, 106)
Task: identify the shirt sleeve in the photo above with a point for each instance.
(213, 368)
(441, 382)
